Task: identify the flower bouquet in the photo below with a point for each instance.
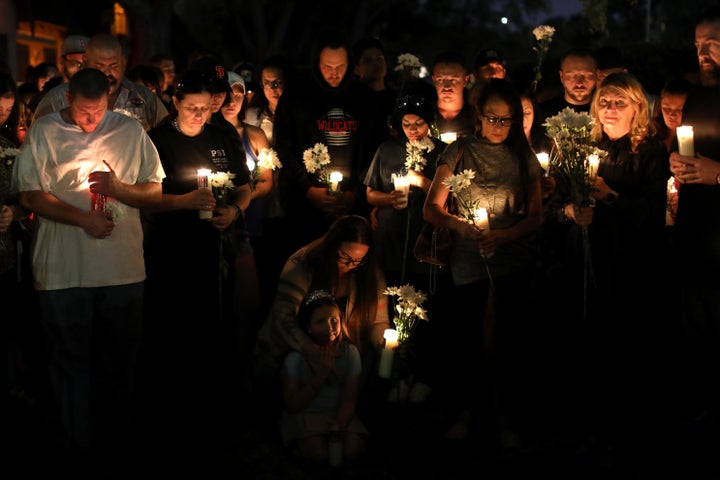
(267, 160)
(409, 64)
(570, 160)
(408, 310)
(222, 185)
(415, 150)
(316, 160)
(459, 188)
(543, 37)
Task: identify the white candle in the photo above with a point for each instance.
(335, 179)
(544, 160)
(402, 184)
(386, 356)
(480, 217)
(593, 163)
(448, 137)
(203, 180)
(685, 140)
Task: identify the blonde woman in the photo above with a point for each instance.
(626, 241)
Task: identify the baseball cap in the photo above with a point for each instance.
(235, 79)
(74, 44)
(487, 56)
(215, 72)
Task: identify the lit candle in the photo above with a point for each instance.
(685, 140)
(335, 179)
(480, 217)
(448, 137)
(386, 356)
(544, 160)
(593, 163)
(203, 181)
(402, 184)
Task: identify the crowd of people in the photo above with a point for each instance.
(165, 307)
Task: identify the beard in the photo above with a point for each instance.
(711, 77)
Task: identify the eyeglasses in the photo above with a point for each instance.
(498, 122)
(347, 260)
(619, 104)
(274, 85)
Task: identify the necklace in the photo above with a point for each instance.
(177, 127)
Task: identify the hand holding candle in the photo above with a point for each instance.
(386, 356)
(686, 146)
(448, 137)
(335, 179)
(544, 160)
(203, 181)
(98, 201)
(402, 189)
(593, 164)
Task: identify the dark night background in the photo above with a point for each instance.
(656, 35)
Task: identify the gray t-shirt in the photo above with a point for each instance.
(498, 187)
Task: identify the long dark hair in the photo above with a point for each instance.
(287, 74)
(502, 89)
(323, 260)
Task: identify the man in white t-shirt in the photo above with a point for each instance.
(88, 265)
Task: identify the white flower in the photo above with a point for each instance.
(459, 186)
(543, 36)
(459, 182)
(221, 184)
(410, 63)
(543, 32)
(222, 180)
(415, 149)
(268, 159)
(114, 210)
(316, 158)
(409, 309)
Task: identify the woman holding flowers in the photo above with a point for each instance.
(626, 234)
(499, 172)
(412, 155)
(186, 329)
(261, 162)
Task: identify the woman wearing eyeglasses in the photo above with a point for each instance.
(343, 263)
(491, 269)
